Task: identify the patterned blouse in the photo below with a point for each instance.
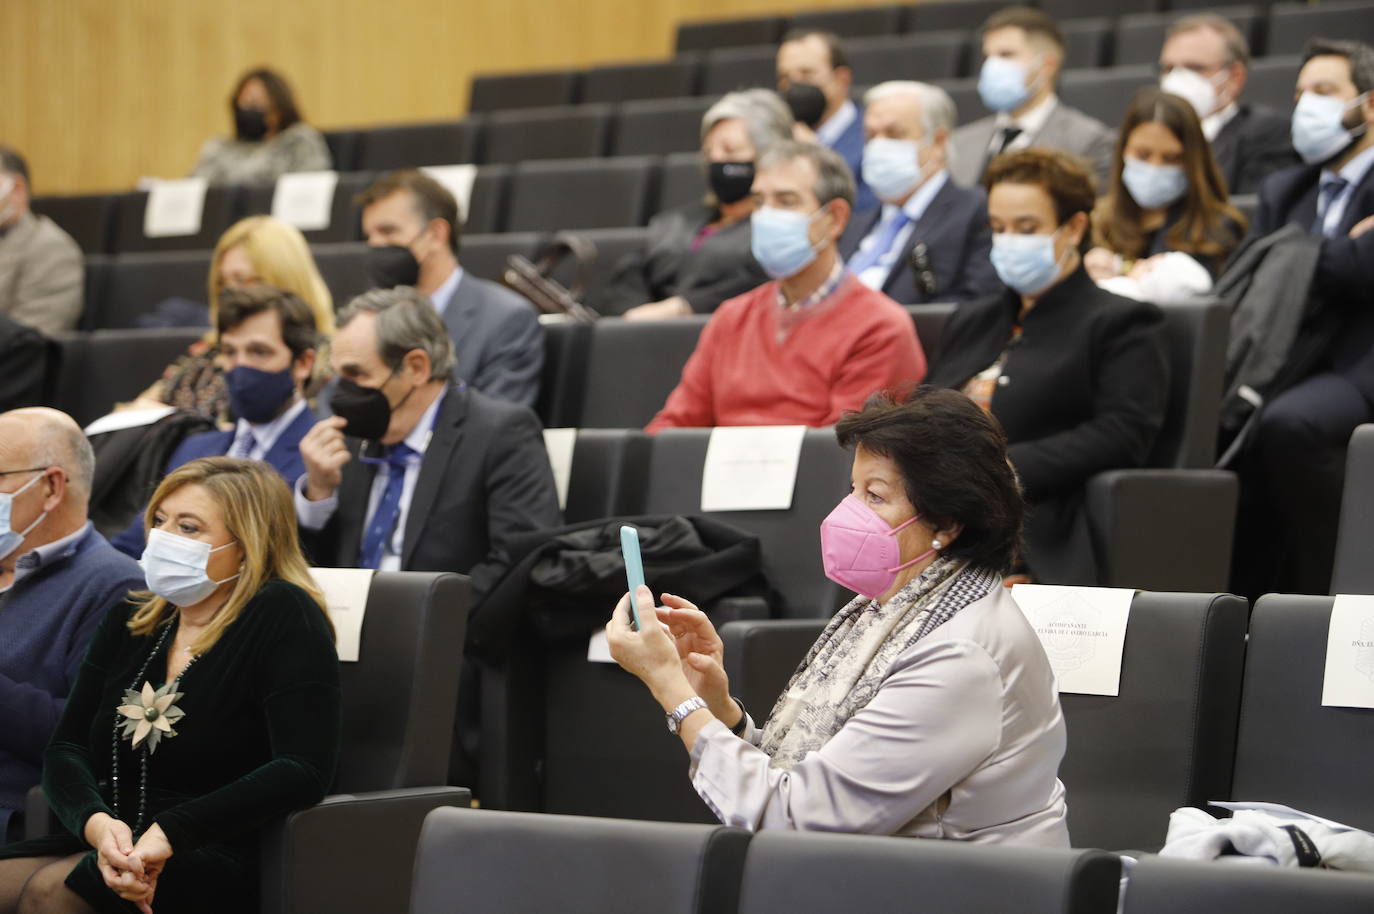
(226, 160)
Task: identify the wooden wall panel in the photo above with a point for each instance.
(101, 92)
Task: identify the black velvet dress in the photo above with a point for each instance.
(260, 737)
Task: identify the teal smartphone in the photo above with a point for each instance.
(634, 568)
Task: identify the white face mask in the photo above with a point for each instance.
(11, 539)
(175, 568)
(1194, 88)
(1319, 132)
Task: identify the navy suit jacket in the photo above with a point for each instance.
(955, 230)
(284, 457)
(850, 146)
(496, 340)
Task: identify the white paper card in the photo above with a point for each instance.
(751, 468)
(559, 442)
(1349, 678)
(305, 199)
(458, 179)
(345, 598)
(598, 648)
(174, 207)
(1083, 630)
(127, 418)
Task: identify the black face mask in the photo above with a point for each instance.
(731, 181)
(392, 265)
(807, 103)
(366, 409)
(250, 124)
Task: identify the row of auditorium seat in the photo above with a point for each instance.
(890, 52)
(479, 860)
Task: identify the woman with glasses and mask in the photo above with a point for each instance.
(1078, 377)
(697, 255)
(1164, 223)
(207, 707)
(927, 708)
(270, 138)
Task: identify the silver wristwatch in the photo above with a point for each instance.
(695, 703)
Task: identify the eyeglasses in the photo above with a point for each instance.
(29, 470)
(920, 265)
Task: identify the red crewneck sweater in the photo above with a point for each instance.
(854, 344)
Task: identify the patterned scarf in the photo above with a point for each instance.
(847, 664)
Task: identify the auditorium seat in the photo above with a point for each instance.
(612, 245)
(610, 469)
(97, 274)
(942, 15)
(1140, 36)
(1248, 204)
(570, 132)
(1087, 43)
(413, 145)
(1290, 748)
(964, 94)
(343, 148)
(88, 218)
(1160, 885)
(1354, 569)
(657, 127)
(1292, 24)
(136, 283)
(517, 863)
(930, 326)
(486, 255)
(1104, 93)
(345, 218)
(817, 873)
(726, 33)
(1273, 81)
(523, 90)
(628, 82)
(580, 194)
(683, 181)
(729, 68)
(343, 267)
(650, 352)
(567, 344)
(221, 209)
(863, 22)
(1061, 10)
(487, 205)
(97, 370)
(926, 56)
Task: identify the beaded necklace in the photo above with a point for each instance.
(143, 755)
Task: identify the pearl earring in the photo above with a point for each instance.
(935, 544)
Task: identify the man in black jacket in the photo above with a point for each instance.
(1205, 59)
(1294, 470)
(417, 472)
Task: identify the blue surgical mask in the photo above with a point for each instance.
(1025, 263)
(780, 240)
(891, 167)
(1153, 186)
(1318, 131)
(1002, 84)
(11, 539)
(257, 395)
(175, 567)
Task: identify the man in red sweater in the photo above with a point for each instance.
(815, 341)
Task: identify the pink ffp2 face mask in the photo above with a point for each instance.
(860, 551)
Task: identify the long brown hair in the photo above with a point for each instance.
(1202, 228)
(261, 518)
(278, 90)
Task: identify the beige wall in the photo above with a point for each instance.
(101, 92)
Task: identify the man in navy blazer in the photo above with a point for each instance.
(929, 240)
(267, 343)
(412, 225)
(1295, 466)
(818, 59)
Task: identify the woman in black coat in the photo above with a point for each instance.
(1078, 377)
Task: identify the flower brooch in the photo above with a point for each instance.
(150, 713)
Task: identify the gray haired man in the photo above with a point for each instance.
(415, 471)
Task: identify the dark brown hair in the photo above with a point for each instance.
(1028, 19)
(1203, 229)
(838, 58)
(1066, 178)
(953, 459)
(13, 163)
(1359, 55)
(298, 329)
(432, 199)
(278, 90)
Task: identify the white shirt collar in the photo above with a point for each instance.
(444, 294)
(915, 206)
(418, 439)
(265, 435)
(833, 127)
(1212, 124)
(1354, 170)
(1033, 121)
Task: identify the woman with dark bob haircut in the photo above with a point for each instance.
(270, 136)
(927, 707)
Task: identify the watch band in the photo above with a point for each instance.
(738, 728)
(675, 719)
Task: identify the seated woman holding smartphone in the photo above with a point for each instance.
(927, 708)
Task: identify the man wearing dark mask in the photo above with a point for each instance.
(412, 227)
(267, 343)
(416, 471)
(814, 78)
(270, 137)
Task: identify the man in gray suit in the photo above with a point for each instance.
(412, 228)
(1023, 52)
(41, 270)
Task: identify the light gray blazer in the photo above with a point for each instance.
(41, 275)
(1066, 129)
(496, 339)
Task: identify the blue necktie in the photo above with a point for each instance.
(389, 507)
(243, 445)
(870, 257)
(1330, 190)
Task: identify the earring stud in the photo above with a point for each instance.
(935, 544)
